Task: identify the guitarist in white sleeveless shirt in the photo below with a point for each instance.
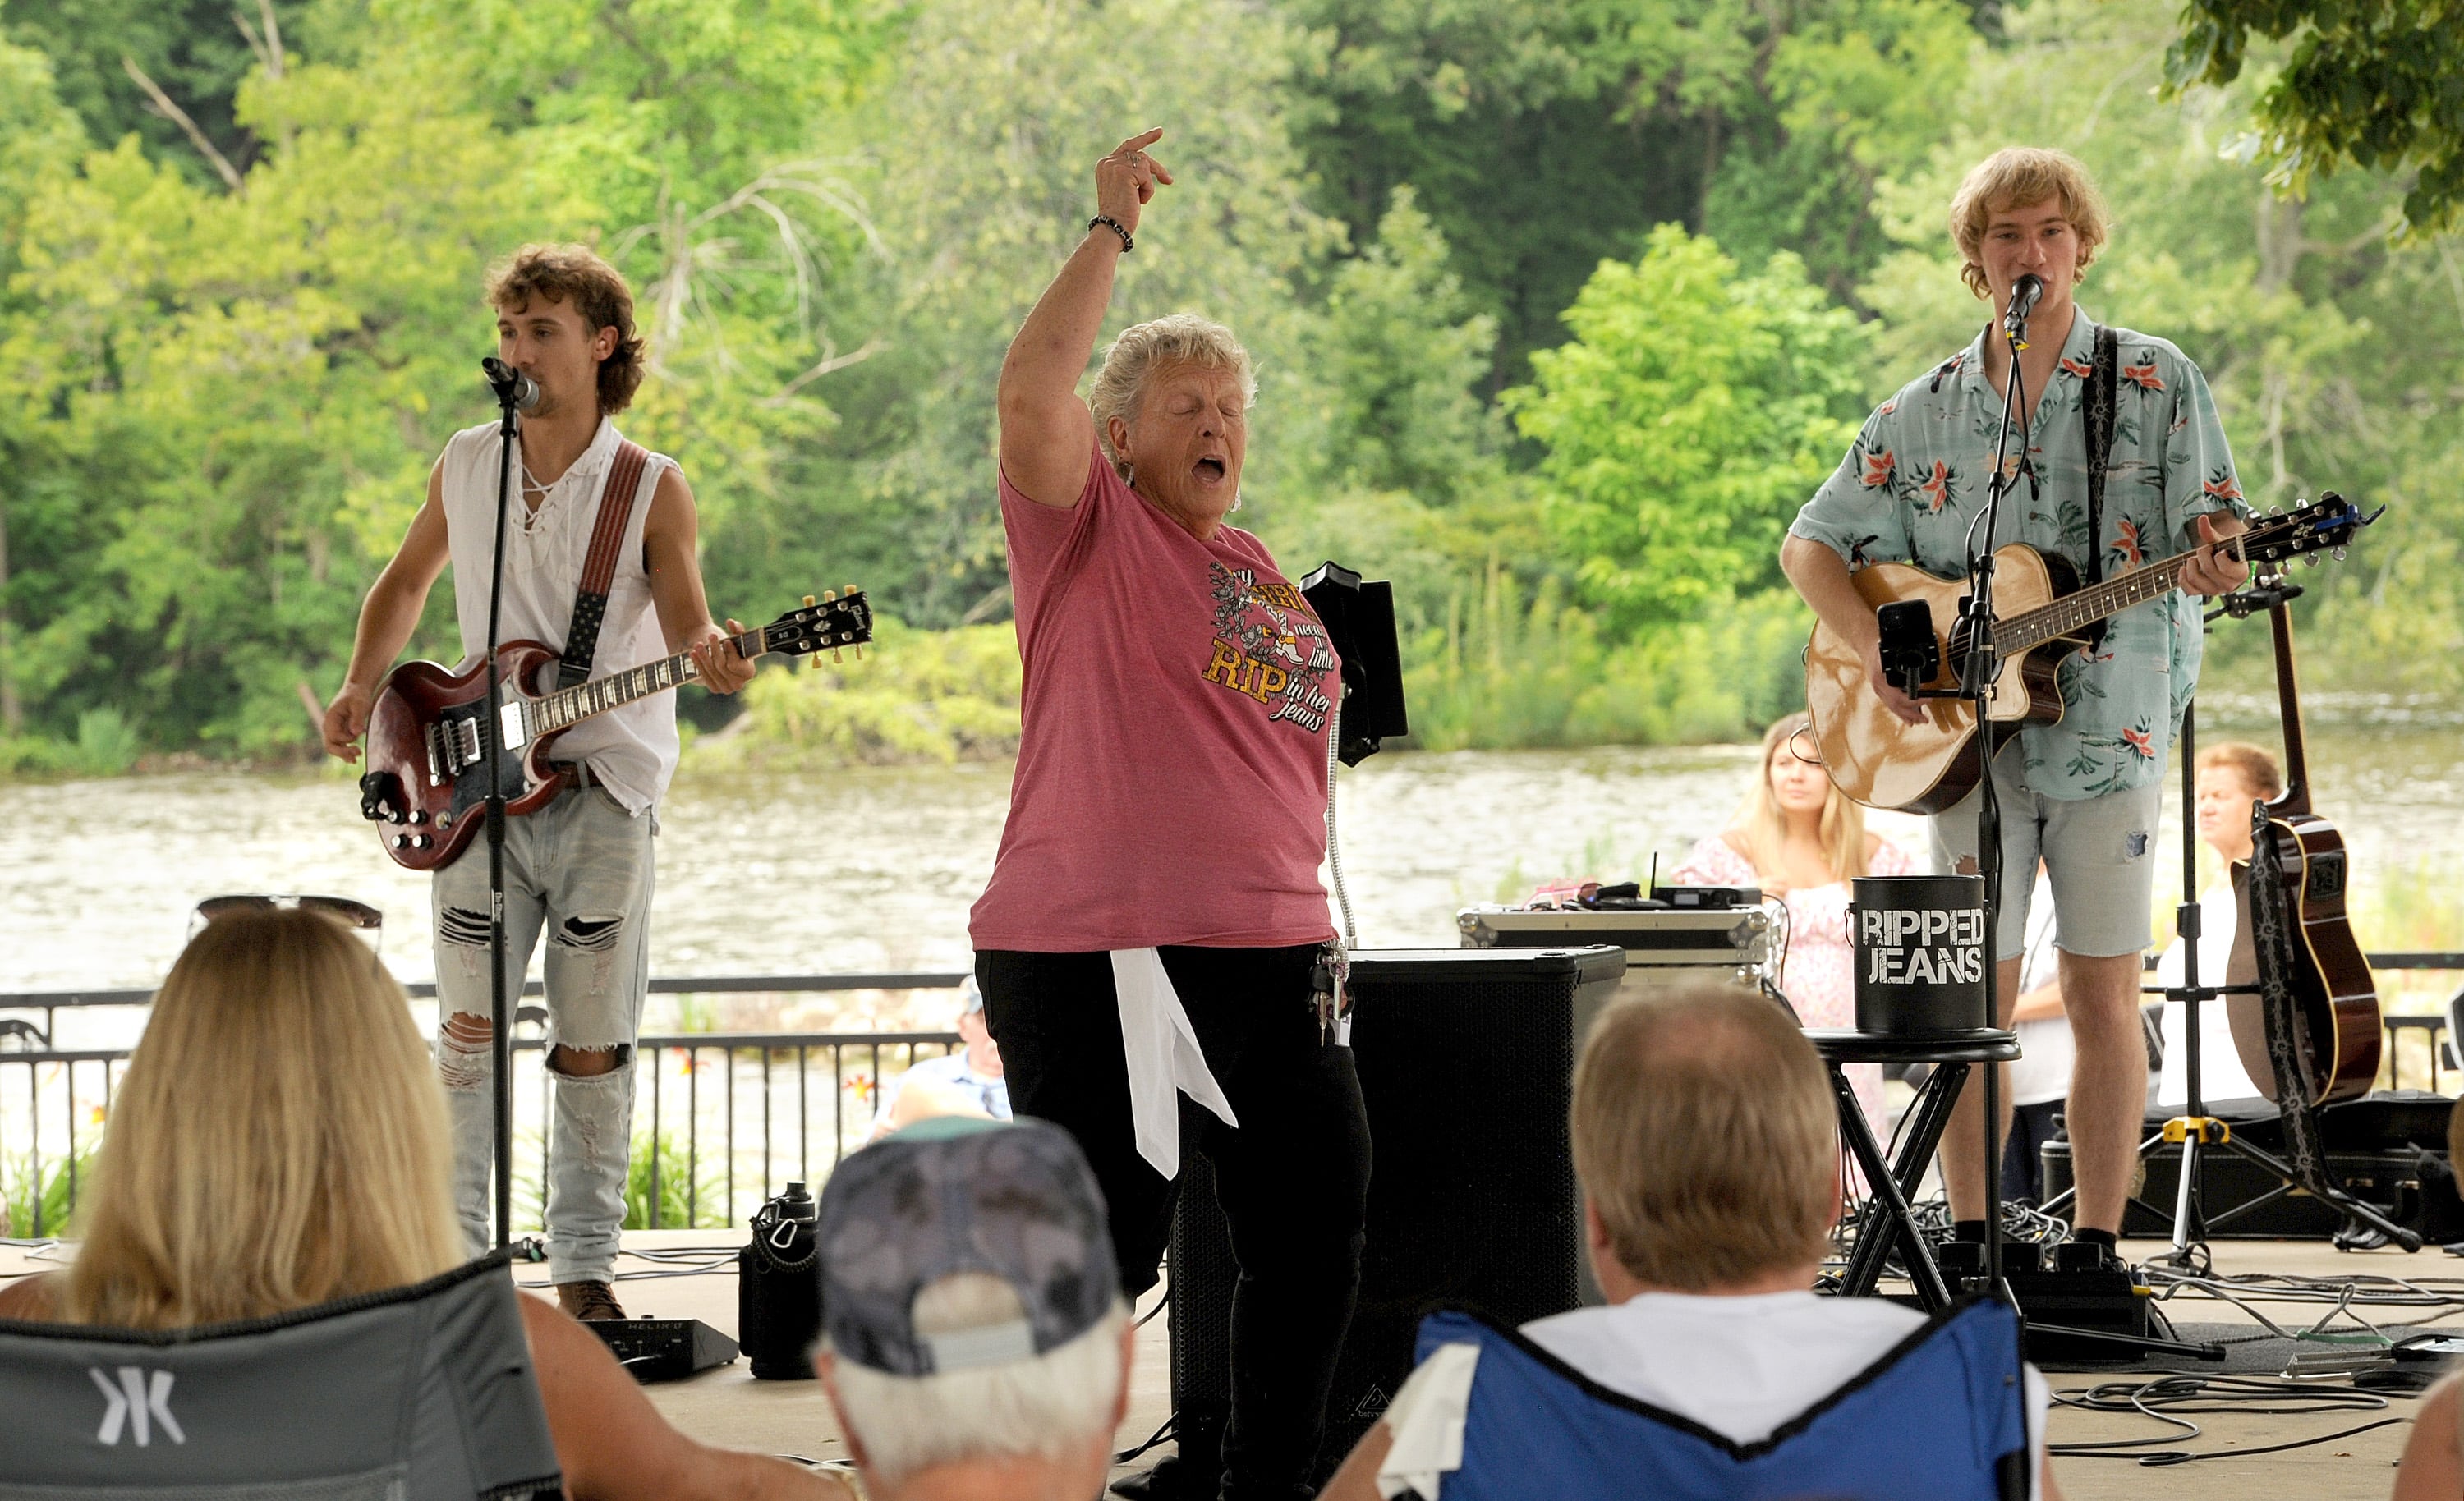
(579, 869)
(2082, 792)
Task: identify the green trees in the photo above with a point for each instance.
(2369, 84)
(1688, 240)
(234, 390)
(1694, 410)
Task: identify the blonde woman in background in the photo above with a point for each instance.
(279, 1142)
(1800, 838)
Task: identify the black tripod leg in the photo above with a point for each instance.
(2337, 1197)
(1889, 1202)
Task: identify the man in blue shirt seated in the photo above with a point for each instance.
(967, 1083)
(1705, 1139)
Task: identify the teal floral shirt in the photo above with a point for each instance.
(1916, 476)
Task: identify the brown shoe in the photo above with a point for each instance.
(588, 1301)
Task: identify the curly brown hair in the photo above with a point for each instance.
(575, 273)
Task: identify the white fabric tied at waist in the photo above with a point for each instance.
(1164, 1060)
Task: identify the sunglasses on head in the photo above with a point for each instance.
(351, 914)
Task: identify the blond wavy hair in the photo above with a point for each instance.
(278, 1141)
(1704, 1137)
(1761, 824)
(2014, 178)
(1170, 342)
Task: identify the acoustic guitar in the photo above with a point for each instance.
(427, 782)
(2336, 1026)
(2043, 615)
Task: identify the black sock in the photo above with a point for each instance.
(2105, 1238)
(1970, 1230)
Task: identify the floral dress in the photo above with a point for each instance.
(1820, 979)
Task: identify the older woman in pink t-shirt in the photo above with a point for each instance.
(1154, 926)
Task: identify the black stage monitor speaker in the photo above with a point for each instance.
(1467, 1062)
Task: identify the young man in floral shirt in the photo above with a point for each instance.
(2082, 792)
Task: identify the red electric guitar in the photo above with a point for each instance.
(427, 782)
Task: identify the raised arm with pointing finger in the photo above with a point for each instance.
(1045, 431)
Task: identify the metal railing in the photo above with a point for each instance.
(722, 1119)
(733, 1086)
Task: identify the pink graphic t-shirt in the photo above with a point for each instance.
(1171, 784)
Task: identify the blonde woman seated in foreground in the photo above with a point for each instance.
(2432, 1468)
(1703, 1133)
(279, 1142)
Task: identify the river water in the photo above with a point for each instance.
(874, 868)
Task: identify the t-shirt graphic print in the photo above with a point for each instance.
(1269, 645)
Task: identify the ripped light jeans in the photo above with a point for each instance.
(578, 868)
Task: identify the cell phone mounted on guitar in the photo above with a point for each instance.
(1912, 653)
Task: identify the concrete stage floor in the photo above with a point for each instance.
(727, 1406)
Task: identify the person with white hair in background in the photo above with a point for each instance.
(1154, 926)
(967, 1083)
(974, 1339)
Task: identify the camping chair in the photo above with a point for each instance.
(1942, 1416)
(422, 1393)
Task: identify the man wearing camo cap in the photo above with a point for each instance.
(974, 1339)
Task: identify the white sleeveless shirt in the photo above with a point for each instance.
(631, 750)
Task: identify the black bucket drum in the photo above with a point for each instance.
(1919, 942)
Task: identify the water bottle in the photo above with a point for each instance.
(778, 1290)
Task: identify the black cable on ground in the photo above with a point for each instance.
(1162, 1299)
(1170, 1430)
(681, 1261)
(2167, 1398)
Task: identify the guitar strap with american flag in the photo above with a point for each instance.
(599, 564)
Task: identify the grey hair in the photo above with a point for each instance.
(1049, 1404)
(1179, 339)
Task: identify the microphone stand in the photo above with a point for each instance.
(492, 738)
(1979, 665)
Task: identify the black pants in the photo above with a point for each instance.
(2023, 1157)
(1293, 1180)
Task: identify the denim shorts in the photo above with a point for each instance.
(2099, 856)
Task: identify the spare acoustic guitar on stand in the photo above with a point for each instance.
(2335, 1021)
(427, 782)
(1884, 762)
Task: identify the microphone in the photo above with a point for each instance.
(2024, 293)
(512, 388)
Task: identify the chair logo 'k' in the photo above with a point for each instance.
(138, 1404)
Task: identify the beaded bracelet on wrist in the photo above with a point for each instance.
(1114, 224)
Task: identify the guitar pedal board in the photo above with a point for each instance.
(2069, 1286)
(663, 1349)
